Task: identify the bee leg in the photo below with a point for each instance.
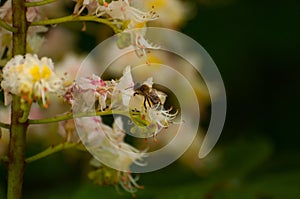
(146, 99)
(149, 102)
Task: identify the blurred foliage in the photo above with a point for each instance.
(244, 171)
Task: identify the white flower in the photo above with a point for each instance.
(136, 22)
(121, 10)
(108, 94)
(89, 132)
(108, 147)
(123, 90)
(88, 90)
(91, 6)
(161, 116)
(139, 42)
(107, 144)
(89, 94)
(172, 13)
(148, 116)
(31, 78)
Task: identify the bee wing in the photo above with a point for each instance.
(149, 82)
(162, 96)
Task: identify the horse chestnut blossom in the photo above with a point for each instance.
(133, 21)
(122, 10)
(114, 94)
(94, 86)
(30, 78)
(147, 111)
(107, 146)
(89, 94)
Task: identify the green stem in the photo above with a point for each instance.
(5, 126)
(77, 115)
(26, 112)
(16, 151)
(6, 26)
(39, 3)
(16, 148)
(75, 18)
(51, 150)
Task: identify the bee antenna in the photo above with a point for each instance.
(129, 87)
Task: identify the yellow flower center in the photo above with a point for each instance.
(25, 89)
(38, 74)
(139, 25)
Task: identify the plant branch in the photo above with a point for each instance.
(39, 3)
(77, 115)
(16, 152)
(17, 141)
(3, 125)
(75, 18)
(6, 26)
(50, 150)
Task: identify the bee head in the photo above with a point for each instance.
(136, 85)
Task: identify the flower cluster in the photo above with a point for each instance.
(123, 11)
(92, 93)
(112, 156)
(108, 147)
(88, 94)
(34, 39)
(133, 20)
(31, 78)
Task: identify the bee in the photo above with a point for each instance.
(151, 97)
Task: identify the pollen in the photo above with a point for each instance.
(140, 25)
(46, 73)
(35, 73)
(143, 117)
